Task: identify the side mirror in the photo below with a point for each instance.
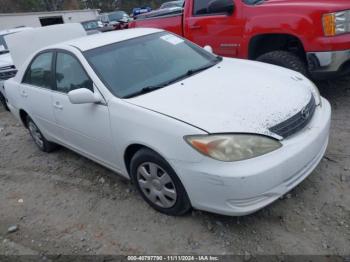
(221, 6)
(208, 48)
(83, 96)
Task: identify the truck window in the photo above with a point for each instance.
(253, 2)
(200, 7)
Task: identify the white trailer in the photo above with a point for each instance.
(38, 19)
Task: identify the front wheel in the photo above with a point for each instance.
(285, 59)
(158, 183)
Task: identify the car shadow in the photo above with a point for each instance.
(334, 89)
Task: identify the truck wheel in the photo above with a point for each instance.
(3, 101)
(285, 59)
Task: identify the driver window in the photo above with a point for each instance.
(70, 74)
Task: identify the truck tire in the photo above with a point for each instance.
(285, 59)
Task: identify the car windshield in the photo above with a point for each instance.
(116, 16)
(147, 63)
(90, 25)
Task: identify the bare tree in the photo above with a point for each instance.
(53, 5)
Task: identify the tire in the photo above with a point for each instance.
(3, 102)
(38, 137)
(285, 59)
(158, 183)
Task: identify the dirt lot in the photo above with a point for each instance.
(63, 203)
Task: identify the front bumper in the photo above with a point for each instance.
(329, 63)
(243, 187)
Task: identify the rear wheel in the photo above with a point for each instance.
(38, 137)
(3, 101)
(158, 183)
(285, 59)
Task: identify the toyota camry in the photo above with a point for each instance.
(190, 129)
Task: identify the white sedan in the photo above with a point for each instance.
(189, 128)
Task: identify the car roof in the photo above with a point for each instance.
(94, 41)
(13, 30)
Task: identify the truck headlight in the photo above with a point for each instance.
(233, 147)
(336, 23)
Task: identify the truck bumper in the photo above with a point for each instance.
(329, 64)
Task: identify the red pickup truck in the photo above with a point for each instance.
(309, 36)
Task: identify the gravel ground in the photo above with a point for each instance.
(62, 203)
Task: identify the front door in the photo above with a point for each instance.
(221, 30)
(86, 127)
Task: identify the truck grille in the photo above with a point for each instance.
(4, 75)
(296, 122)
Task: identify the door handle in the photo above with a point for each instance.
(24, 93)
(195, 27)
(58, 106)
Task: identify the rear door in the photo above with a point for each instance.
(36, 94)
(222, 31)
(85, 127)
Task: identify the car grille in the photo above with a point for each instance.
(4, 75)
(296, 122)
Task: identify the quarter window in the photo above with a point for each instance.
(39, 73)
(70, 74)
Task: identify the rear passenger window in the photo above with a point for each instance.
(70, 74)
(39, 72)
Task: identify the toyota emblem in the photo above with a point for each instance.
(305, 113)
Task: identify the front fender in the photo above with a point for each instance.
(133, 124)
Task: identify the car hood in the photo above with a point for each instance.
(5, 60)
(235, 96)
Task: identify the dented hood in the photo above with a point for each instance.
(233, 96)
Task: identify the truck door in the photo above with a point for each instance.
(216, 23)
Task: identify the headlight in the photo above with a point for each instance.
(336, 23)
(316, 94)
(233, 147)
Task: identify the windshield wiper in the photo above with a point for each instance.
(145, 90)
(190, 72)
(202, 68)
